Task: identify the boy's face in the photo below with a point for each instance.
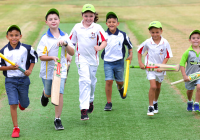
(14, 37)
(112, 24)
(53, 21)
(195, 40)
(155, 33)
(88, 18)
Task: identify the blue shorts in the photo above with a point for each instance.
(47, 85)
(191, 85)
(17, 90)
(114, 70)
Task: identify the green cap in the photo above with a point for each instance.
(111, 13)
(195, 31)
(13, 26)
(53, 10)
(155, 24)
(88, 7)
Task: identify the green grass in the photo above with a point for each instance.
(127, 120)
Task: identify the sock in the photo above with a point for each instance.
(109, 102)
(152, 106)
(190, 101)
(154, 102)
(196, 103)
(57, 118)
(16, 127)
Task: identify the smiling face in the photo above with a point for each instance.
(53, 21)
(112, 24)
(13, 36)
(195, 39)
(155, 33)
(88, 18)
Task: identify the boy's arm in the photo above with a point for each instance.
(130, 52)
(185, 77)
(4, 68)
(29, 71)
(48, 58)
(101, 47)
(142, 66)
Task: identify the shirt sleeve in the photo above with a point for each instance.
(2, 61)
(73, 36)
(42, 48)
(184, 58)
(127, 42)
(142, 48)
(168, 53)
(102, 34)
(33, 56)
(69, 41)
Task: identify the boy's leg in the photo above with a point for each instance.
(58, 109)
(152, 91)
(196, 104)
(108, 90)
(157, 93)
(13, 111)
(189, 94)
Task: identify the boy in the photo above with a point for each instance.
(113, 56)
(16, 82)
(191, 56)
(48, 51)
(159, 52)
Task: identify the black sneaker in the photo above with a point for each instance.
(44, 100)
(108, 107)
(150, 111)
(58, 124)
(84, 115)
(155, 108)
(91, 108)
(121, 91)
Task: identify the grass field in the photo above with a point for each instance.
(128, 120)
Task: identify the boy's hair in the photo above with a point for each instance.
(52, 11)
(194, 32)
(154, 27)
(13, 27)
(111, 16)
(96, 15)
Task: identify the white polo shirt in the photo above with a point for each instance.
(85, 40)
(23, 55)
(48, 46)
(115, 49)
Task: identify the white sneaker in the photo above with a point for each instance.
(150, 111)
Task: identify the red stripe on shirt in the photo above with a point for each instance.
(167, 54)
(102, 37)
(77, 47)
(140, 51)
(70, 37)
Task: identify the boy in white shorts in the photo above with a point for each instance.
(159, 52)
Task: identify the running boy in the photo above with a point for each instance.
(159, 52)
(113, 56)
(86, 36)
(192, 57)
(48, 51)
(16, 82)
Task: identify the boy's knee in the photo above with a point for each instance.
(109, 82)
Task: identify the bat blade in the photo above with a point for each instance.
(192, 77)
(55, 88)
(126, 78)
(12, 63)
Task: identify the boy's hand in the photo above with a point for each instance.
(129, 58)
(62, 43)
(142, 66)
(13, 67)
(55, 58)
(97, 48)
(159, 70)
(186, 79)
(28, 72)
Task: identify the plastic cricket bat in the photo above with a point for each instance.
(12, 63)
(162, 67)
(55, 88)
(192, 77)
(126, 78)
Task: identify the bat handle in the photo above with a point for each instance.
(173, 83)
(134, 66)
(22, 70)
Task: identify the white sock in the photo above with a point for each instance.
(190, 101)
(196, 103)
(57, 118)
(154, 102)
(152, 106)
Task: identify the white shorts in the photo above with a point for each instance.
(152, 75)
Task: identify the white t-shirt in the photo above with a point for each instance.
(48, 46)
(85, 40)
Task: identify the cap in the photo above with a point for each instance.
(88, 7)
(53, 10)
(111, 13)
(13, 26)
(155, 24)
(195, 31)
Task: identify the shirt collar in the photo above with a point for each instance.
(50, 34)
(11, 48)
(116, 33)
(91, 26)
(160, 43)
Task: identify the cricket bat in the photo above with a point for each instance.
(162, 67)
(192, 77)
(12, 63)
(55, 88)
(126, 78)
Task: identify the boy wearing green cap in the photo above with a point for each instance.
(158, 52)
(113, 56)
(48, 53)
(192, 57)
(17, 82)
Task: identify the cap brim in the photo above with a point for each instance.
(111, 13)
(13, 26)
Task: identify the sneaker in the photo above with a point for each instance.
(20, 107)
(155, 108)
(15, 133)
(196, 107)
(108, 107)
(150, 111)
(91, 108)
(121, 91)
(190, 105)
(58, 124)
(44, 100)
(84, 115)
